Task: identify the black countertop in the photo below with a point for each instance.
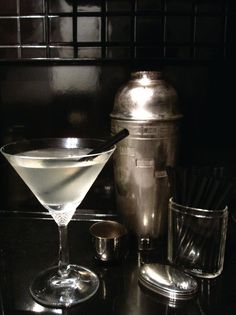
(29, 244)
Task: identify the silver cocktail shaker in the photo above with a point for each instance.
(147, 107)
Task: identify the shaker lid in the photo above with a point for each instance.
(146, 96)
(167, 281)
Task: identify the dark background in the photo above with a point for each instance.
(61, 63)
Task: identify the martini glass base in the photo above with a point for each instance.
(51, 289)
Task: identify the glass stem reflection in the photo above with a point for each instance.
(63, 262)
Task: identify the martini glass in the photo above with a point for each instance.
(60, 172)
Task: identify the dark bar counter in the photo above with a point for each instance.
(29, 244)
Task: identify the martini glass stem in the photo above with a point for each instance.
(63, 262)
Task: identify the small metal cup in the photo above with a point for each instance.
(109, 239)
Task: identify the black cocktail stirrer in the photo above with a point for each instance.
(110, 142)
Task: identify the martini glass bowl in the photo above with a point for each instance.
(59, 172)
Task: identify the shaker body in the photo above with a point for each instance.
(141, 181)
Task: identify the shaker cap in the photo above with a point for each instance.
(146, 96)
(168, 281)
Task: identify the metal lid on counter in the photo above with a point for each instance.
(167, 281)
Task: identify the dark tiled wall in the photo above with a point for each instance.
(134, 29)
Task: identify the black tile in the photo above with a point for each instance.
(149, 5)
(61, 29)
(8, 31)
(61, 52)
(209, 53)
(209, 29)
(89, 6)
(89, 52)
(31, 7)
(118, 5)
(8, 7)
(150, 52)
(8, 53)
(231, 53)
(178, 52)
(89, 29)
(149, 29)
(34, 52)
(118, 28)
(60, 6)
(178, 28)
(232, 6)
(231, 31)
(32, 30)
(179, 5)
(209, 6)
(118, 52)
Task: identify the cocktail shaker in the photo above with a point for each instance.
(147, 106)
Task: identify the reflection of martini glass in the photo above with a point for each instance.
(60, 172)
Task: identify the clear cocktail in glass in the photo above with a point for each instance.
(60, 171)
